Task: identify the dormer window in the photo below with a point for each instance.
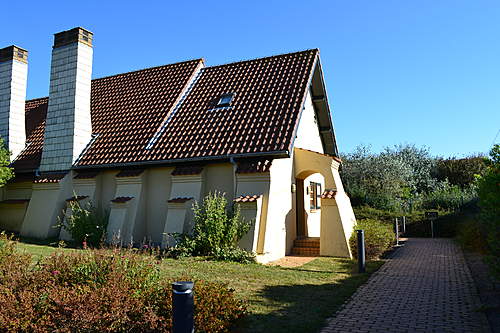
(225, 100)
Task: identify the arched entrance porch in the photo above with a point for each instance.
(337, 217)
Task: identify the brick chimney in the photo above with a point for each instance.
(68, 127)
(13, 78)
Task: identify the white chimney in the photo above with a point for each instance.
(13, 78)
(68, 128)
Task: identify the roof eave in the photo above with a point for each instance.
(274, 154)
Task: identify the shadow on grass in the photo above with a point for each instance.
(305, 307)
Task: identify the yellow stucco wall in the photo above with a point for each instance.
(46, 208)
(12, 216)
(157, 192)
(307, 136)
(337, 217)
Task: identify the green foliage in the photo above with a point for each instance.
(216, 232)
(406, 178)
(489, 202)
(450, 197)
(366, 212)
(470, 235)
(103, 291)
(86, 223)
(6, 173)
(379, 238)
(459, 171)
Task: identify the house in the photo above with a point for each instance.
(146, 144)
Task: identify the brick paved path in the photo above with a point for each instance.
(425, 287)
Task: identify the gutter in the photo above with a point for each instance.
(276, 154)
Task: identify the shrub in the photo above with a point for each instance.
(5, 172)
(86, 223)
(459, 171)
(379, 238)
(104, 291)
(489, 202)
(449, 197)
(216, 232)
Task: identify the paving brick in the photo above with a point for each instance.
(425, 286)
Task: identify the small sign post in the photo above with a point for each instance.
(431, 216)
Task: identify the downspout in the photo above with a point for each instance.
(235, 168)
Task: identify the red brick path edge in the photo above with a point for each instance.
(425, 286)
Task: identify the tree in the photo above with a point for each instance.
(460, 171)
(5, 172)
(489, 202)
(376, 180)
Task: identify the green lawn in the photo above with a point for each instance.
(280, 299)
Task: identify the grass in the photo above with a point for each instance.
(280, 299)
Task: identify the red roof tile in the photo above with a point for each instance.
(247, 198)
(77, 198)
(180, 199)
(126, 110)
(49, 178)
(328, 194)
(36, 111)
(121, 199)
(268, 94)
(129, 109)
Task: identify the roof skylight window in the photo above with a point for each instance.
(225, 100)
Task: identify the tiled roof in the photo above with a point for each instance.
(49, 178)
(268, 94)
(247, 198)
(77, 198)
(121, 199)
(254, 166)
(129, 109)
(328, 194)
(36, 111)
(126, 109)
(180, 199)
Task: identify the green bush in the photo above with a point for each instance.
(489, 202)
(367, 212)
(102, 291)
(216, 232)
(86, 223)
(5, 172)
(379, 237)
(448, 197)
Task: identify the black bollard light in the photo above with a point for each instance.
(361, 251)
(182, 307)
(396, 227)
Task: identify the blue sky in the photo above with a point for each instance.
(422, 72)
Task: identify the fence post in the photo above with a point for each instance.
(182, 307)
(361, 251)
